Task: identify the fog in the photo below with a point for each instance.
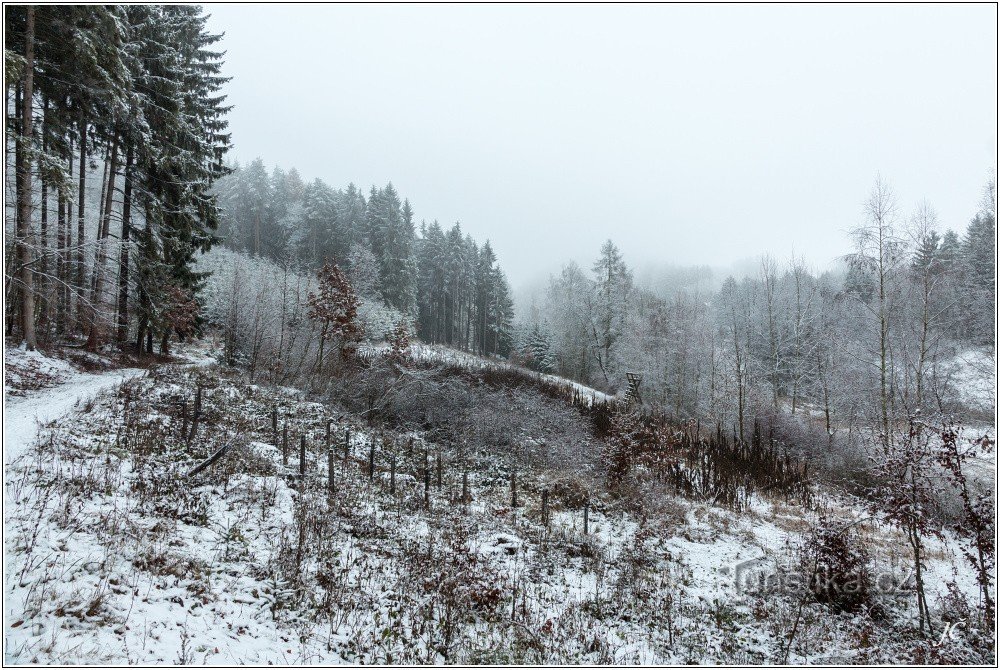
(688, 134)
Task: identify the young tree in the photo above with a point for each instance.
(878, 257)
(335, 307)
(926, 273)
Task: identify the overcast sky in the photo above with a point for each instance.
(687, 134)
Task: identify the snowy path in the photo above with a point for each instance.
(22, 415)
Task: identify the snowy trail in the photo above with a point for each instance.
(22, 415)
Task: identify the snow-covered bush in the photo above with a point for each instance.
(261, 307)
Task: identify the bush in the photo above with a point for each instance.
(837, 567)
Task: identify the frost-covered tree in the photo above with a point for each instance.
(609, 316)
(397, 264)
(126, 133)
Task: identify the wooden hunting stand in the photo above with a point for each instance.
(632, 395)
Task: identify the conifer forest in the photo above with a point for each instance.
(302, 367)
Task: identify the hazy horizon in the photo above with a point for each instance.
(690, 135)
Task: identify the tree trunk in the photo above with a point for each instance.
(100, 254)
(81, 232)
(123, 274)
(61, 245)
(66, 278)
(164, 342)
(12, 290)
(24, 192)
(44, 226)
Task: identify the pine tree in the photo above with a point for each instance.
(398, 268)
(431, 283)
(979, 275)
(927, 257)
(540, 349)
(613, 289)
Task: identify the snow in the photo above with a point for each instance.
(22, 417)
(25, 369)
(107, 577)
(974, 377)
(440, 354)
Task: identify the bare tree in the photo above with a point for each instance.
(878, 256)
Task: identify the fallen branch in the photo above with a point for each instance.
(210, 460)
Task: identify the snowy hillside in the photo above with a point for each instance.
(117, 553)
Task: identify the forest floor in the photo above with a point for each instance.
(115, 552)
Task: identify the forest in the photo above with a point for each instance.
(877, 335)
(252, 417)
(437, 281)
(117, 131)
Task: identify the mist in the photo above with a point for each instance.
(689, 135)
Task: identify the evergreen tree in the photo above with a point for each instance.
(979, 274)
(540, 350)
(613, 289)
(398, 268)
(135, 90)
(927, 257)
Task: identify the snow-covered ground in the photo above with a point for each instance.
(28, 370)
(973, 374)
(115, 555)
(22, 416)
(443, 355)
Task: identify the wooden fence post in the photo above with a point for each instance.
(195, 419)
(427, 481)
(330, 480)
(586, 518)
(184, 419)
(371, 461)
(513, 489)
(440, 470)
(274, 423)
(465, 486)
(392, 475)
(545, 506)
(302, 455)
(427, 488)
(284, 443)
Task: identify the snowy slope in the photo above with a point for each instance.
(114, 555)
(444, 355)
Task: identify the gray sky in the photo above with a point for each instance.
(687, 134)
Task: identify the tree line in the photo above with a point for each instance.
(451, 289)
(116, 131)
(873, 341)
